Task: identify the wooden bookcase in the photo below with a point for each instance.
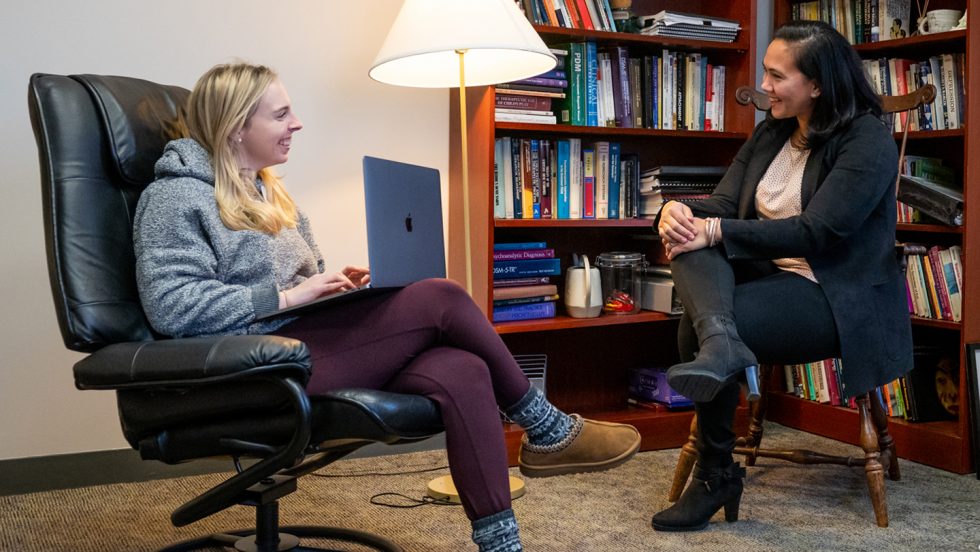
(589, 360)
(944, 445)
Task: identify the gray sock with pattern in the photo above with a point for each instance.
(497, 533)
(544, 424)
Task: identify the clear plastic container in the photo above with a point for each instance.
(622, 285)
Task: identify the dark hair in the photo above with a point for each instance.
(825, 57)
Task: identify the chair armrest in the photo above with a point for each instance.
(192, 361)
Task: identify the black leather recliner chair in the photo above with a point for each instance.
(180, 399)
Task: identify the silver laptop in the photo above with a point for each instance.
(403, 207)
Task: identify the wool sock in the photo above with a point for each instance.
(542, 422)
(497, 533)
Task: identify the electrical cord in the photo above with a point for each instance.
(408, 502)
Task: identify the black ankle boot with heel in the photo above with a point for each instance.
(710, 490)
(721, 358)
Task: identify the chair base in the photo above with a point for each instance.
(289, 539)
(268, 536)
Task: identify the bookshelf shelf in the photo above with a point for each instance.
(945, 445)
(555, 223)
(559, 34)
(938, 444)
(930, 228)
(611, 133)
(589, 359)
(567, 322)
(933, 323)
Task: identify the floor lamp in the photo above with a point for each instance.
(460, 43)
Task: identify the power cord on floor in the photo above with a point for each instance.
(408, 502)
(412, 502)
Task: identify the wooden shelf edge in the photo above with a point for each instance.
(619, 131)
(928, 228)
(550, 33)
(558, 223)
(933, 323)
(569, 323)
(920, 40)
(936, 444)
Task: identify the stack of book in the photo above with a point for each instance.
(522, 281)
(530, 100)
(897, 76)
(564, 179)
(592, 15)
(934, 282)
(676, 183)
(687, 25)
(860, 21)
(926, 394)
(614, 87)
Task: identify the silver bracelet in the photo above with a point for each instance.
(712, 230)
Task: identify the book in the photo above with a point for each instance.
(524, 300)
(526, 281)
(528, 311)
(512, 246)
(518, 269)
(523, 254)
(517, 292)
(588, 183)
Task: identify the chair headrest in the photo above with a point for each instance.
(140, 118)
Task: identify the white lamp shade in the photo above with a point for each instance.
(421, 47)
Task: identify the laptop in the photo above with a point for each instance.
(403, 207)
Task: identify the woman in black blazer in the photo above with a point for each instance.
(792, 257)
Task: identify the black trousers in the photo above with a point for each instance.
(782, 317)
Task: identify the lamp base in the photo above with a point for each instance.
(443, 488)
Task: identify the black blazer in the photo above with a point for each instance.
(846, 232)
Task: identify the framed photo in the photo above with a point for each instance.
(973, 390)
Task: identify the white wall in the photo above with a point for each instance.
(322, 50)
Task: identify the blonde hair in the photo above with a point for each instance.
(220, 105)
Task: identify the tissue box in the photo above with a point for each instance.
(659, 295)
(650, 384)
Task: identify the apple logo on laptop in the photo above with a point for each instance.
(408, 222)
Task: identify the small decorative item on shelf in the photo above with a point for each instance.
(622, 287)
(623, 16)
(583, 289)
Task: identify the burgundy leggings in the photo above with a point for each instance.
(428, 339)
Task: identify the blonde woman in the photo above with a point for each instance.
(220, 242)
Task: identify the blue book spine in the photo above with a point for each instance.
(528, 311)
(515, 163)
(520, 269)
(591, 84)
(564, 174)
(517, 246)
(615, 177)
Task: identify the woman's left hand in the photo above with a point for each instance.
(359, 276)
(700, 240)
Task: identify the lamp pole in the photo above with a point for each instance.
(463, 123)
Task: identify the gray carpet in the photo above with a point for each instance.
(785, 507)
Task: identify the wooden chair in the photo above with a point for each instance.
(878, 446)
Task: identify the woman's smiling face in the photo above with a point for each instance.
(791, 93)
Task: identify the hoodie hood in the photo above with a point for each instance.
(185, 158)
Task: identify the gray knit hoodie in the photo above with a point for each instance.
(197, 277)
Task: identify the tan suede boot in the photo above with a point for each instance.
(589, 446)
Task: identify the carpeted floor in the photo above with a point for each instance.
(785, 507)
